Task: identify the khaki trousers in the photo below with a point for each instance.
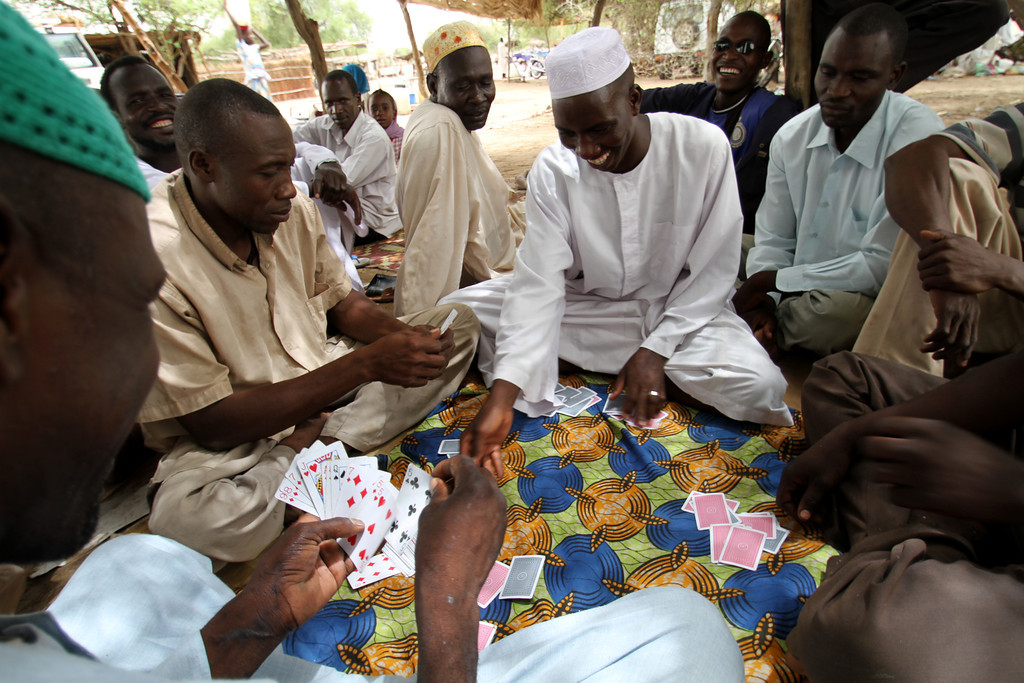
(902, 315)
(913, 598)
(821, 321)
(222, 503)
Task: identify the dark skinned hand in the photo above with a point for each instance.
(331, 187)
(408, 358)
(957, 263)
(642, 380)
(447, 339)
(810, 478)
(754, 291)
(293, 580)
(482, 440)
(933, 466)
(762, 323)
(956, 326)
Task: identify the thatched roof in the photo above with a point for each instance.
(492, 9)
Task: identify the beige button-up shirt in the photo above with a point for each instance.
(224, 326)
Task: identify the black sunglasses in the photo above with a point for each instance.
(744, 47)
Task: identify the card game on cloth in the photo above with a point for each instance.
(323, 481)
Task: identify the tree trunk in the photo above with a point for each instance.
(158, 58)
(598, 10)
(309, 32)
(714, 9)
(416, 60)
(797, 50)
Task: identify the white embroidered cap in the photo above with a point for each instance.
(586, 61)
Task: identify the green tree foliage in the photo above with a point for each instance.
(339, 20)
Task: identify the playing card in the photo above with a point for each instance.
(762, 521)
(288, 493)
(448, 447)
(742, 548)
(485, 634)
(522, 577)
(493, 584)
(652, 424)
(711, 509)
(688, 504)
(377, 569)
(579, 404)
(448, 321)
(615, 407)
(567, 394)
(719, 534)
(413, 497)
(773, 545)
(734, 505)
(375, 509)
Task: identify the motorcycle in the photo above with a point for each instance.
(528, 64)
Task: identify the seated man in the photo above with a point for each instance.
(462, 224)
(823, 237)
(144, 103)
(142, 99)
(631, 253)
(76, 279)
(242, 325)
(749, 114)
(956, 279)
(365, 152)
(385, 112)
(903, 472)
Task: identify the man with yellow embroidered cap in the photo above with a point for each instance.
(628, 262)
(462, 222)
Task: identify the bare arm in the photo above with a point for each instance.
(394, 353)
(917, 185)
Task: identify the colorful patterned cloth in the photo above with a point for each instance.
(602, 502)
(384, 254)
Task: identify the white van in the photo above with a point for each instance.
(70, 46)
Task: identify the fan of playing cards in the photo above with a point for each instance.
(736, 539)
(325, 482)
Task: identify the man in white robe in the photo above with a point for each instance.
(628, 262)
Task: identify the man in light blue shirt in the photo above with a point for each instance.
(823, 237)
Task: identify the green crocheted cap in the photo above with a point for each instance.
(48, 110)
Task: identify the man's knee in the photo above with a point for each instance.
(221, 519)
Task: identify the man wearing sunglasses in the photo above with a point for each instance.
(749, 114)
(823, 236)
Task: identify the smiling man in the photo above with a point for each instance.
(823, 236)
(749, 114)
(462, 222)
(142, 99)
(259, 330)
(628, 262)
(365, 152)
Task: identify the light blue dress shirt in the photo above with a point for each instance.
(823, 223)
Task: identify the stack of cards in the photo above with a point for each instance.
(325, 482)
(616, 409)
(575, 400)
(448, 447)
(736, 539)
(516, 581)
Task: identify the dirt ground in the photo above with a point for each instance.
(520, 124)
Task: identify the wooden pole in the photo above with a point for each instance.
(797, 49)
(158, 59)
(416, 60)
(598, 11)
(310, 33)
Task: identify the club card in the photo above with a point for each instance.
(773, 545)
(762, 521)
(522, 577)
(711, 509)
(485, 634)
(719, 533)
(377, 569)
(413, 497)
(493, 584)
(448, 321)
(448, 447)
(742, 548)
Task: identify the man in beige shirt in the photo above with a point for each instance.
(243, 321)
(462, 222)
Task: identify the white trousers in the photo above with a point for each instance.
(721, 364)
